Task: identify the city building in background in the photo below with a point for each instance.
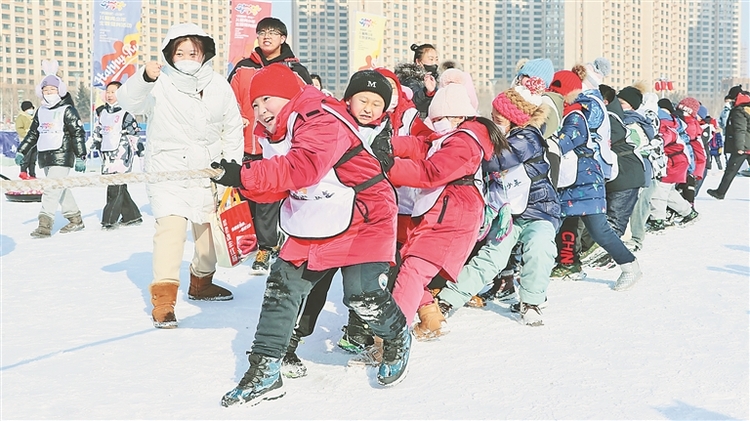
(698, 45)
(526, 30)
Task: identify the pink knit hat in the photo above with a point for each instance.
(689, 105)
(517, 105)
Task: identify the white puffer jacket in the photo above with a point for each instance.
(193, 120)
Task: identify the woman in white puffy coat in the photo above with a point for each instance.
(193, 120)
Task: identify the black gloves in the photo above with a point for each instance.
(382, 147)
(231, 175)
(96, 145)
(140, 148)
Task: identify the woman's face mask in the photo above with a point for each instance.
(189, 67)
(30, 111)
(52, 99)
(442, 126)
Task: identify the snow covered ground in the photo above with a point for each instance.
(78, 343)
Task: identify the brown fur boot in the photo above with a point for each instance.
(75, 224)
(431, 323)
(44, 229)
(203, 289)
(163, 298)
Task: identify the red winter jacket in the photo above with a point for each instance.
(677, 164)
(319, 140)
(694, 132)
(446, 234)
(242, 77)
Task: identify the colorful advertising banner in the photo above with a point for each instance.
(369, 31)
(243, 18)
(117, 33)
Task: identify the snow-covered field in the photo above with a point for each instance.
(78, 343)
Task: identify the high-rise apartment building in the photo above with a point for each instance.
(714, 52)
(36, 30)
(644, 39)
(461, 30)
(321, 40)
(526, 29)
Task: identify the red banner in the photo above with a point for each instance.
(243, 19)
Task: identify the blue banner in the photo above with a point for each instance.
(117, 33)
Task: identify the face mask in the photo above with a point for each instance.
(394, 103)
(52, 99)
(431, 69)
(30, 111)
(442, 126)
(502, 129)
(189, 67)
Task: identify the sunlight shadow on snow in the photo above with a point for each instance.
(738, 247)
(75, 348)
(733, 269)
(7, 245)
(138, 270)
(682, 411)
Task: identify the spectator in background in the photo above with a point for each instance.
(736, 143)
(318, 83)
(23, 123)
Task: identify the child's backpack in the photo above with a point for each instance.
(715, 144)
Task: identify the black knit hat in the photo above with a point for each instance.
(667, 105)
(26, 105)
(632, 96)
(369, 81)
(607, 92)
(733, 91)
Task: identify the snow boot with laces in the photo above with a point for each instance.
(44, 229)
(395, 363)
(431, 323)
(75, 223)
(261, 382)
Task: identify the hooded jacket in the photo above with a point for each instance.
(74, 138)
(445, 234)
(241, 78)
(677, 159)
(193, 120)
(412, 75)
(319, 140)
(631, 174)
(738, 126)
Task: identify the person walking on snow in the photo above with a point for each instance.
(57, 133)
(193, 120)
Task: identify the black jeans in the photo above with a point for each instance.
(620, 206)
(29, 162)
(288, 286)
(119, 203)
(733, 167)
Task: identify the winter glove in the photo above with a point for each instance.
(140, 148)
(382, 147)
(19, 158)
(80, 165)
(231, 175)
(96, 146)
(247, 244)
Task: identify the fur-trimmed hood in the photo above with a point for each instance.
(409, 71)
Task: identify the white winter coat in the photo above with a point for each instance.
(193, 120)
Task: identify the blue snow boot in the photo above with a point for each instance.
(261, 382)
(395, 359)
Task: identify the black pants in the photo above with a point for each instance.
(119, 203)
(568, 241)
(265, 217)
(717, 158)
(288, 286)
(29, 163)
(734, 163)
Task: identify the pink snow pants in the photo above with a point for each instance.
(410, 291)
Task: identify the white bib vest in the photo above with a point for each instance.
(407, 195)
(569, 160)
(51, 128)
(322, 210)
(426, 198)
(111, 129)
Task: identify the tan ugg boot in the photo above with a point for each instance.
(44, 229)
(203, 289)
(75, 224)
(431, 323)
(163, 298)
